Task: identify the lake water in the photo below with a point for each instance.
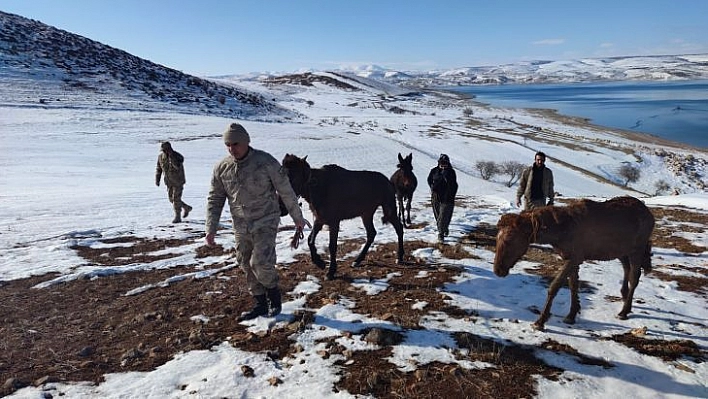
(676, 111)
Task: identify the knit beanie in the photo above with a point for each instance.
(236, 134)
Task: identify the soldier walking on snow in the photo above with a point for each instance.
(251, 181)
(171, 163)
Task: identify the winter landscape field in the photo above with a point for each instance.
(101, 296)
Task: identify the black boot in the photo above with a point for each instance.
(261, 309)
(187, 209)
(275, 301)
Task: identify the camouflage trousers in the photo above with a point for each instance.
(174, 194)
(255, 253)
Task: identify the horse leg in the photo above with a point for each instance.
(574, 300)
(408, 209)
(399, 232)
(401, 213)
(333, 237)
(552, 291)
(634, 272)
(368, 220)
(316, 259)
(625, 280)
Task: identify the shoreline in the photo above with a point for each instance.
(554, 114)
(640, 137)
(656, 138)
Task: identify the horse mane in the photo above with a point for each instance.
(333, 167)
(518, 222)
(553, 221)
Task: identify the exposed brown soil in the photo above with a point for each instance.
(83, 329)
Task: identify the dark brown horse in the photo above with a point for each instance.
(585, 230)
(405, 183)
(335, 194)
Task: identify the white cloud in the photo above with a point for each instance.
(549, 42)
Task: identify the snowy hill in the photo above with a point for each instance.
(668, 67)
(53, 67)
(103, 297)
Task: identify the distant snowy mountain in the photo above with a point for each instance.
(54, 66)
(51, 67)
(666, 67)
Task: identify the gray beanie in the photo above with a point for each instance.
(236, 134)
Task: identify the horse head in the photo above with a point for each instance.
(298, 172)
(405, 163)
(513, 240)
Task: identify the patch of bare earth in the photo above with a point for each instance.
(83, 329)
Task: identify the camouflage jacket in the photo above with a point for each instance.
(252, 186)
(172, 166)
(525, 184)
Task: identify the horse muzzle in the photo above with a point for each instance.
(500, 270)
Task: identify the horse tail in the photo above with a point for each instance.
(646, 259)
(390, 211)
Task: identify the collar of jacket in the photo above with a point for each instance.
(245, 157)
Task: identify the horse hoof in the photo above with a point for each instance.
(330, 276)
(538, 327)
(320, 266)
(356, 264)
(622, 316)
(568, 320)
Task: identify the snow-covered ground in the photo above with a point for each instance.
(72, 175)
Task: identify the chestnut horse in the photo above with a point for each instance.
(335, 194)
(585, 230)
(405, 182)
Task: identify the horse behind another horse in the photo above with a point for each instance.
(405, 183)
(585, 230)
(335, 194)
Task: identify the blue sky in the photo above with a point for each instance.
(210, 37)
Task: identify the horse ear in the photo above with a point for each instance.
(400, 158)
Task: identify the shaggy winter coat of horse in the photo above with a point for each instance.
(619, 228)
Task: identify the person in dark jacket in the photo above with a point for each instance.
(171, 163)
(443, 188)
(536, 184)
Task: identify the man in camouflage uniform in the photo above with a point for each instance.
(171, 163)
(252, 180)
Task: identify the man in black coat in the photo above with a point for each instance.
(443, 187)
